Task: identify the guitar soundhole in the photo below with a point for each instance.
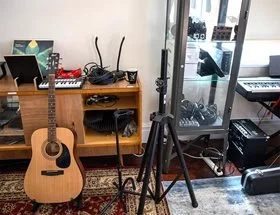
(52, 149)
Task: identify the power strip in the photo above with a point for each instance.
(212, 166)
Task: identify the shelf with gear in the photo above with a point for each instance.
(205, 40)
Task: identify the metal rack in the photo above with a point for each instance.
(213, 93)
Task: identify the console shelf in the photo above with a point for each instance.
(12, 147)
(70, 111)
(94, 138)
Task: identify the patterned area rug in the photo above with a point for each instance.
(99, 190)
(220, 196)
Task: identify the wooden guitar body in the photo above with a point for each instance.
(56, 178)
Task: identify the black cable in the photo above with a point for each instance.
(88, 71)
(97, 74)
(103, 101)
(119, 56)
(100, 58)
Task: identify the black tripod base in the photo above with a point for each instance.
(120, 195)
(155, 143)
(195, 204)
(35, 206)
(79, 201)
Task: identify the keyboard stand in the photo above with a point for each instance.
(276, 112)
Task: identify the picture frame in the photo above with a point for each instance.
(38, 47)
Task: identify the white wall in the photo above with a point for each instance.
(73, 24)
(263, 24)
(264, 20)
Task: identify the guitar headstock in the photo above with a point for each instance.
(53, 62)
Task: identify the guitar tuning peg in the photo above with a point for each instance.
(60, 58)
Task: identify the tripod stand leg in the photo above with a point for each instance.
(159, 163)
(149, 167)
(121, 160)
(103, 211)
(182, 162)
(167, 155)
(146, 154)
(79, 200)
(121, 197)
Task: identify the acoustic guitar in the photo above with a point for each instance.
(55, 173)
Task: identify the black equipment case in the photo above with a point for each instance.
(261, 180)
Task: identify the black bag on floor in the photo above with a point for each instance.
(261, 180)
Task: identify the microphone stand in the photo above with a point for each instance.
(155, 144)
(121, 184)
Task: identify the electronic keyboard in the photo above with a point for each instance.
(259, 89)
(70, 83)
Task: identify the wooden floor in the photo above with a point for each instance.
(197, 168)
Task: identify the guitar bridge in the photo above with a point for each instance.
(52, 172)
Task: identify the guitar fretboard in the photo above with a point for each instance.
(51, 109)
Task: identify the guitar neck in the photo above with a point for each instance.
(51, 109)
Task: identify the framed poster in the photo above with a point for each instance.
(39, 48)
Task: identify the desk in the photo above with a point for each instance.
(70, 109)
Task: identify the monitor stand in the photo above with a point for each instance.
(3, 69)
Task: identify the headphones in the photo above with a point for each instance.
(99, 75)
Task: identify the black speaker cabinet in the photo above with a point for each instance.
(247, 144)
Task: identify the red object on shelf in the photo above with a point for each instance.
(61, 73)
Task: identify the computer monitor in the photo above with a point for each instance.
(274, 66)
(25, 67)
(210, 62)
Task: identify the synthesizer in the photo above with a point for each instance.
(70, 83)
(259, 89)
